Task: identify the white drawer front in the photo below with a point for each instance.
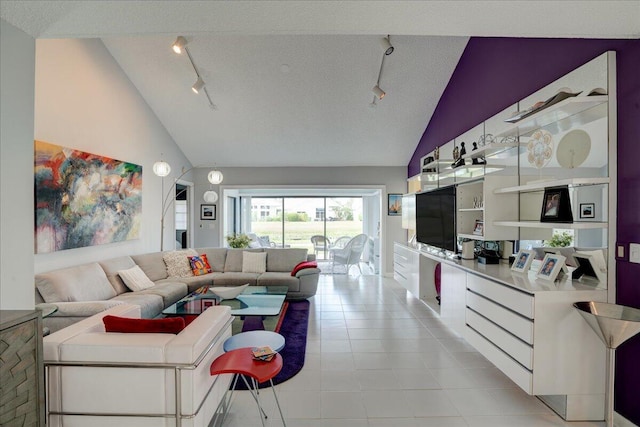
(517, 349)
(517, 325)
(517, 301)
(517, 374)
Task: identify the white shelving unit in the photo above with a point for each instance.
(541, 185)
(494, 208)
(579, 110)
(493, 149)
(583, 225)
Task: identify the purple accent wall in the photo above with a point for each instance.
(494, 73)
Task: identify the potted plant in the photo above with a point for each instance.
(238, 241)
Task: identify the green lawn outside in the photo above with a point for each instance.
(298, 234)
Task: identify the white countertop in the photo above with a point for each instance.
(525, 282)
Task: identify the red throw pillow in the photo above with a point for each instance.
(304, 264)
(167, 325)
(200, 265)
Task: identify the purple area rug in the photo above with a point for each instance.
(294, 330)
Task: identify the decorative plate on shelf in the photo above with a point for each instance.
(573, 149)
(540, 148)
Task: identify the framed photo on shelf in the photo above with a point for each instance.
(207, 212)
(478, 228)
(523, 261)
(394, 206)
(556, 206)
(551, 266)
(587, 210)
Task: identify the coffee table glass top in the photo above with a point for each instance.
(253, 301)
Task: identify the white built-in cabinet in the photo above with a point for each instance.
(527, 327)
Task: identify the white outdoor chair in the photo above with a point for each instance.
(350, 254)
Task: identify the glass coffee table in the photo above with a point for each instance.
(260, 301)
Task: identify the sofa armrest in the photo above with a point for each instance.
(205, 330)
(83, 308)
(52, 343)
(307, 272)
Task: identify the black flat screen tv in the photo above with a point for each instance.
(436, 218)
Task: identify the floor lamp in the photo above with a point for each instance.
(163, 169)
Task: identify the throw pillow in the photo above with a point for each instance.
(254, 262)
(167, 325)
(303, 265)
(178, 263)
(200, 265)
(135, 279)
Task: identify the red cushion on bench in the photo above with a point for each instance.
(302, 265)
(168, 325)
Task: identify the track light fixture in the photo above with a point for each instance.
(386, 45)
(198, 85)
(379, 93)
(179, 44)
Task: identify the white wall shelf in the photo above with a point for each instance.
(537, 224)
(471, 210)
(472, 236)
(570, 107)
(493, 149)
(541, 185)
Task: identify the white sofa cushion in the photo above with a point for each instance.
(135, 279)
(86, 282)
(254, 262)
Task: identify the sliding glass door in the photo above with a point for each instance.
(313, 223)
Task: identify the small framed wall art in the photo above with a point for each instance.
(207, 212)
(394, 206)
(523, 261)
(587, 210)
(551, 266)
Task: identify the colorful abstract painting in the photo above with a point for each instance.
(83, 199)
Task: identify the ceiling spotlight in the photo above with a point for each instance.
(379, 93)
(386, 45)
(179, 44)
(198, 85)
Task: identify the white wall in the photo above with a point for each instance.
(17, 62)
(393, 178)
(84, 100)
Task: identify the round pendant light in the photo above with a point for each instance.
(161, 168)
(210, 196)
(215, 177)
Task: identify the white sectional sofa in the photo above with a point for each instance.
(84, 290)
(97, 378)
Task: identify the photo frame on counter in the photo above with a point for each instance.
(588, 266)
(523, 261)
(207, 212)
(550, 267)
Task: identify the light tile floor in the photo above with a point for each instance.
(378, 357)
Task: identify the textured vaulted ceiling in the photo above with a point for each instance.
(291, 80)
